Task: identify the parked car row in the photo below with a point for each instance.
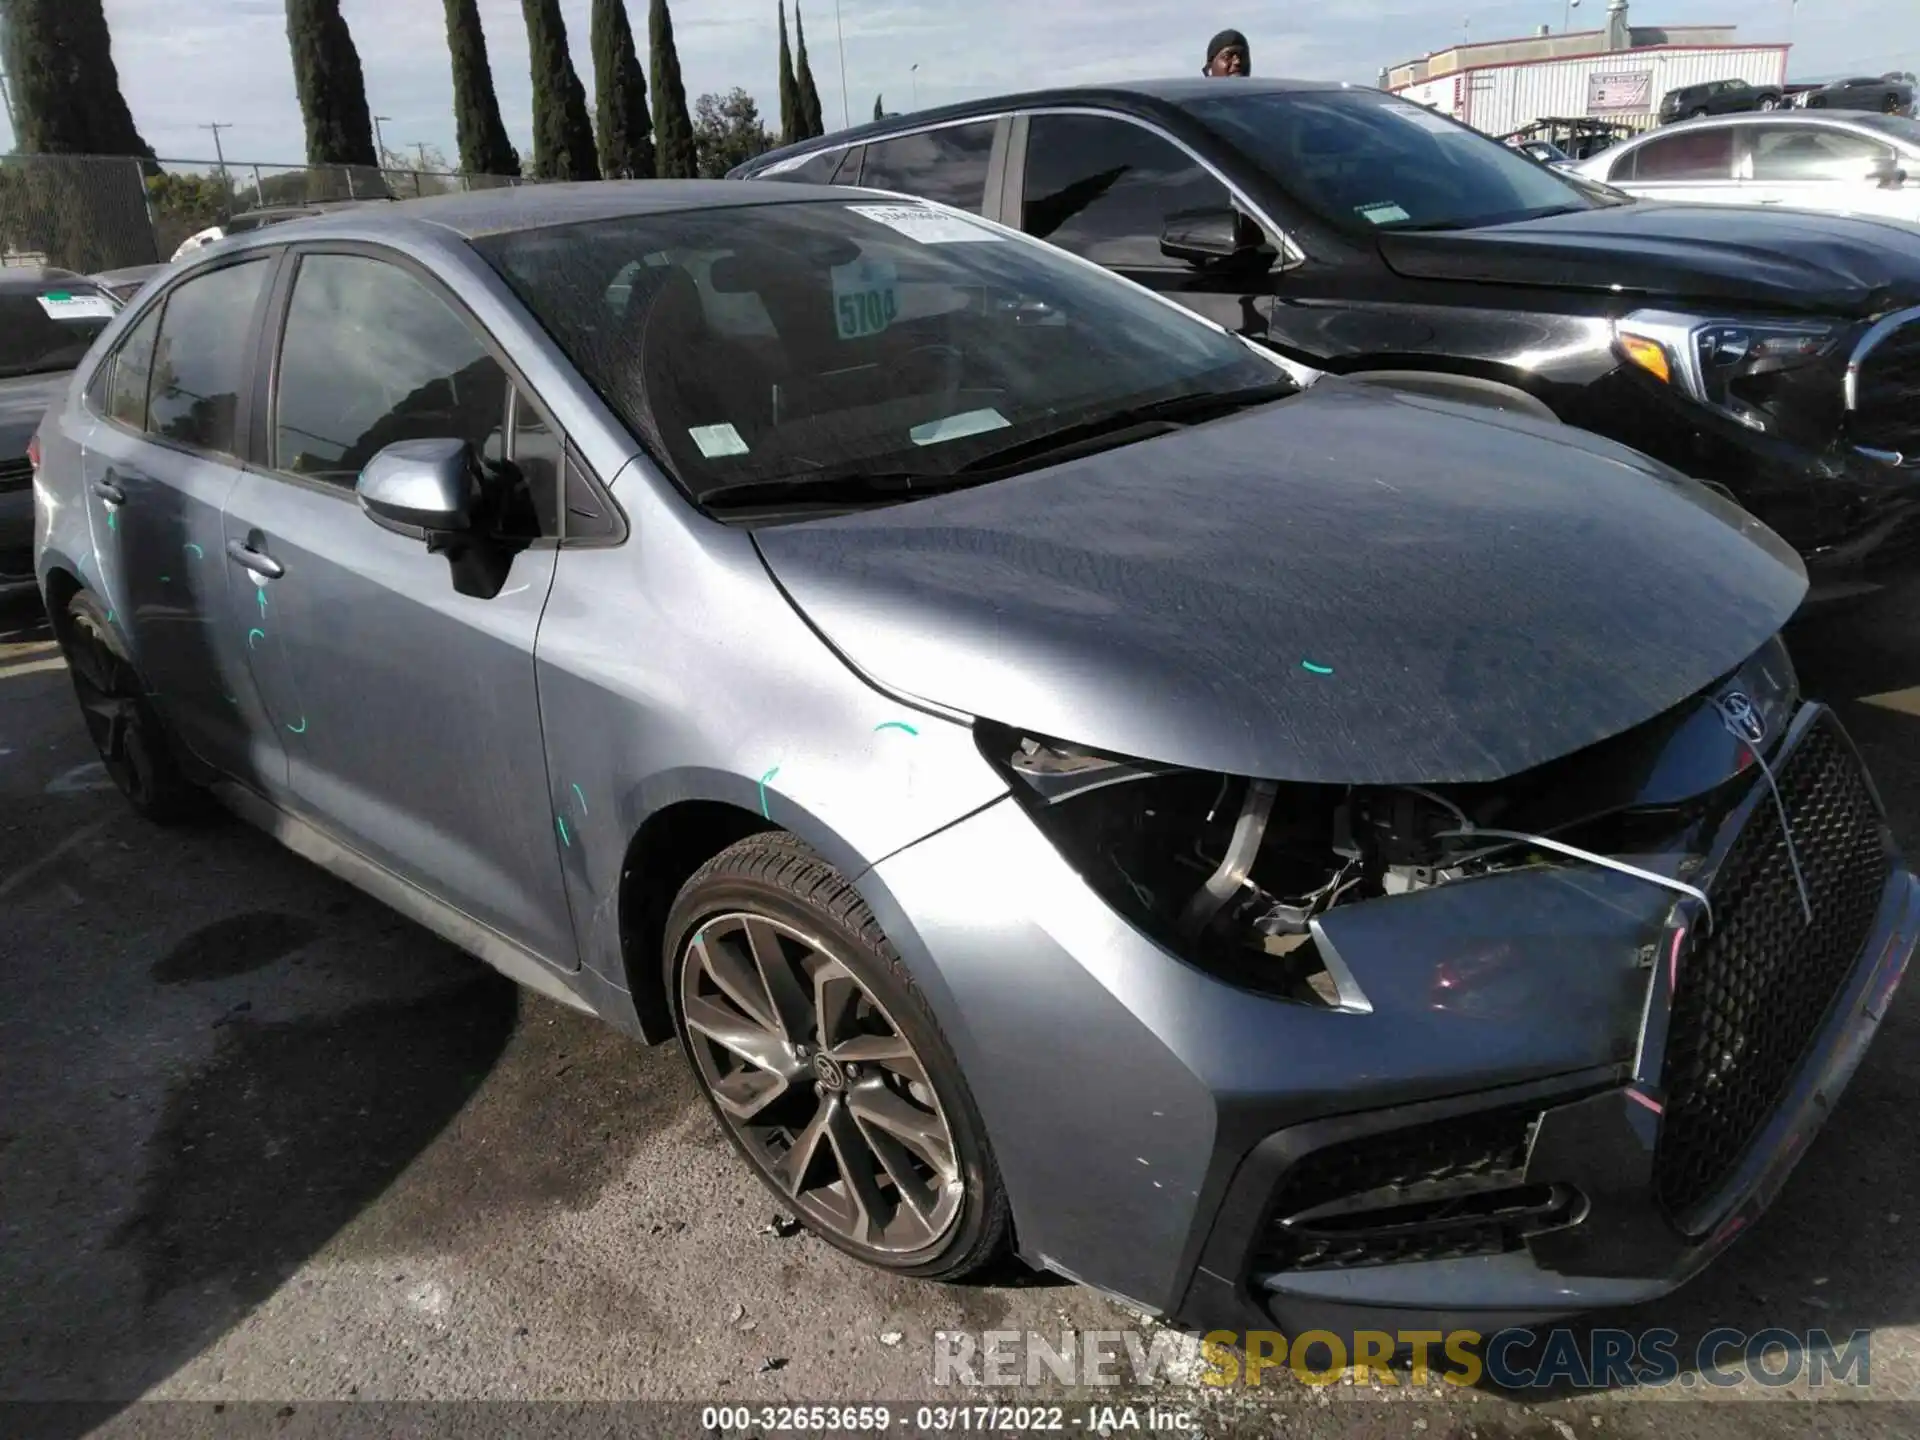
(1890, 94)
(1075, 775)
(1772, 354)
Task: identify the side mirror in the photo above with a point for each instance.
(1887, 174)
(421, 488)
(1199, 236)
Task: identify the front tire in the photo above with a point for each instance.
(825, 1066)
(127, 732)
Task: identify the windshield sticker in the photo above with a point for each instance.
(866, 297)
(716, 441)
(956, 427)
(928, 227)
(1421, 116)
(62, 305)
(1381, 212)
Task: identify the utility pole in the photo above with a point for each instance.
(420, 146)
(220, 155)
(913, 77)
(379, 143)
(840, 32)
(6, 92)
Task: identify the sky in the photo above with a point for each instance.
(183, 66)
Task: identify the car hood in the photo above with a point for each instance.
(1350, 586)
(23, 401)
(1741, 255)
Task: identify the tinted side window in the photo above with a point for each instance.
(1809, 152)
(200, 365)
(1684, 155)
(1103, 188)
(815, 170)
(947, 165)
(127, 397)
(371, 356)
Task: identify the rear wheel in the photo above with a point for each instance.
(825, 1066)
(120, 720)
(1696, 113)
(1769, 102)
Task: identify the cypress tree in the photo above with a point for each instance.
(810, 122)
(789, 87)
(332, 89)
(677, 158)
(562, 134)
(879, 110)
(484, 147)
(620, 89)
(66, 90)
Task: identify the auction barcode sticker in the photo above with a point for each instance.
(928, 227)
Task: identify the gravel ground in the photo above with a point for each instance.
(264, 1143)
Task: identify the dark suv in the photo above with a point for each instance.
(1718, 97)
(1773, 354)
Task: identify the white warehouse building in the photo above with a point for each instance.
(1616, 74)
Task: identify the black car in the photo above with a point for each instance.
(1773, 354)
(1888, 94)
(1718, 97)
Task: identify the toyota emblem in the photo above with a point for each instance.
(1737, 712)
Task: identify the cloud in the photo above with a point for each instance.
(183, 66)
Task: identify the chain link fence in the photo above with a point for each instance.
(91, 212)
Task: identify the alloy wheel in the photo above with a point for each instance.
(110, 704)
(819, 1085)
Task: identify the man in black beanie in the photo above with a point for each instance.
(1227, 54)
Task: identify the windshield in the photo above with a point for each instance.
(796, 341)
(47, 331)
(1366, 160)
(1897, 127)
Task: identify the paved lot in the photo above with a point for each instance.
(261, 1140)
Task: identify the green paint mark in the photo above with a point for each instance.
(895, 725)
(59, 295)
(109, 617)
(198, 553)
(233, 699)
(763, 791)
(262, 593)
(255, 636)
(113, 521)
(301, 728)
(166, 579)
(565, 839)
(1316, 669)
(581, 797)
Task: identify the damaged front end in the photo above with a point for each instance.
(1247, 878)
(1684, 906)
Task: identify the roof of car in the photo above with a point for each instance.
(532, 207)
(15, 278)
(1130, 95)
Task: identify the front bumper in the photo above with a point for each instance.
(1147, 1118)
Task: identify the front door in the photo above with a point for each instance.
(159, 468)
(408, 709)
(1104, 188)
(1821, 167)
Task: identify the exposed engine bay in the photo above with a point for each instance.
(1232, 872)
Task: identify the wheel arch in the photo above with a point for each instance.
(670, 844)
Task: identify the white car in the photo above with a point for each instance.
(1855, 163)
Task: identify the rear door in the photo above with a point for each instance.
(1690, 162)
(1820, 167)
(953, 164)
(1104, 187)
(408, 709)
(159, 468)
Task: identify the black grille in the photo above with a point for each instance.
(1887, 394)
(15, 474)
(1446, 1189)
(1753, 992)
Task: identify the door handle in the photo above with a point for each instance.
(108, 491)
(264, 566)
